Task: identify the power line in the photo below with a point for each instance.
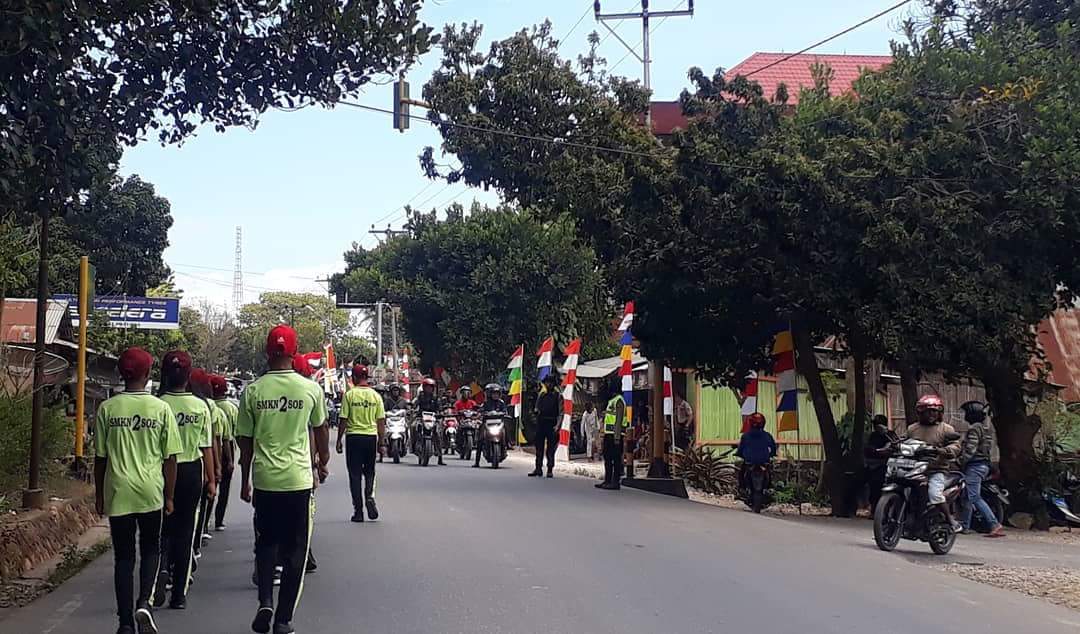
(588, 10)
(828, 39)
(224, 270)
(642, 40)
(414, 197)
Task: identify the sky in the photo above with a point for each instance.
(304, 186)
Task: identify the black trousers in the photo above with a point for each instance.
(206, 506)
(360, 453)
(283, 522)
(545, 441)
(124, 529)
(178, 535)
(613, 464)
(223, 495)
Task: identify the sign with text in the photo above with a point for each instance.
(125, 311)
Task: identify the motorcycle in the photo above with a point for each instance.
(754, 489)
(397, 432)
(450, 432)
(1057, 500)
(903, 510)
(466, 437)
(425, 437)
(494, 442)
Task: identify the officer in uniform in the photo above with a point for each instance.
(615, 424)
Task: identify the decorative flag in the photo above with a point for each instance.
(331, 369)
(405, 373)
(572, 352)
(515, 379)
(749, 404)
(669, 398)
(626, 370)
(787, 389)
(543, 363)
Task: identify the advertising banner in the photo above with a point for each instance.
(125, 311)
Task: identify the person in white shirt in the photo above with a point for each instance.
(590, 426)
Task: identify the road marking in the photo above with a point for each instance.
(63, 613)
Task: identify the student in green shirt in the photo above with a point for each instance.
(220, 388)
(136, 442)
(200, 387)
(361, 426)
(194, 467)
(272, 431)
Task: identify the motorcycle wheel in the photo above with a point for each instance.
(941, 538)
(757, 493)
(888, 524)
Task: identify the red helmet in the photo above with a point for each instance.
(930, 401)
(756, 420)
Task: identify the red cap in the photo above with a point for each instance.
(176, 364)
(200, 382)
(219, 386)
(281, 342)
(134, 363)
(359, 373)
(301, 366)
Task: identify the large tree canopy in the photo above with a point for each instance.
(472, 288)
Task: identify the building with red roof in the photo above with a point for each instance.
(772, 69)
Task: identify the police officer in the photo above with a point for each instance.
(548, 407)
(615, 424)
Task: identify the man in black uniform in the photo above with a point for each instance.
(394, 399)
(548, 407)
(428, 401)
(492, 403)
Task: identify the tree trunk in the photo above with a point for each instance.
(832, 471)
(858, 426)
(909, 387)
(1015, 429)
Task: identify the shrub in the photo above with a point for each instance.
(56, 438)
(705, 471)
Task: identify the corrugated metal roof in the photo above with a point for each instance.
(1059, 337)
(18, 325)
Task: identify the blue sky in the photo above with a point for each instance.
(305, 185)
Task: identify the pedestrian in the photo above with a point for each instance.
(615, 425)
(590, 423)
(200, 387)
(272, 431)
(975, 458)
(876, 457)
(136, 442)
(684, 423)
(361, 431)
(548, 407)
(220, 388)
(194, 468)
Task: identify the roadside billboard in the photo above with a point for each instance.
(125, 311)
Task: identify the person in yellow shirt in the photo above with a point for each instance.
(220, 388)
(361, 428)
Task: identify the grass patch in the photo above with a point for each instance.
(73, 560)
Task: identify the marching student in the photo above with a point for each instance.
(220, 389)
(361, 430)
(200, 386)
(272, 431)
(195, 464)
(136, 442)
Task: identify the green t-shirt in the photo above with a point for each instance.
(231, 412)
(135, 432)
(276, 411)
(193, 419)
(361, 407)
(221, 421)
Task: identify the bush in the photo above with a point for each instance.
(705, 471)
(56, 438)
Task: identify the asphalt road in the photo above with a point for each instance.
(475, 550)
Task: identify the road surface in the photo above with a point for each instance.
(475, 550)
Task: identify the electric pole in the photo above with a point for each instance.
(387, 232)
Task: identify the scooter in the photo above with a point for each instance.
(494, 442)
(1057, 501)
(425, 438)
(468, 423)
(903, 511)
(397, 432)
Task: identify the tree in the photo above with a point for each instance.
(472, 288)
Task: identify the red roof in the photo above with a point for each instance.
(794, 73)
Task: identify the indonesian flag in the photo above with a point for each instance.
(515, 379)
(405, 373)
(543, 363)
(669, 398)
(749, 405)
(572, 352)
(628, 318)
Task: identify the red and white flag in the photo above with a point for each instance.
(572, 352)
(669, 399)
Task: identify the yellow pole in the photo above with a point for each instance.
(80, 389)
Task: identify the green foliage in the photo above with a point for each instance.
(473, 288)
(16, 253)
(706, 470)
(56, 437)
(74, 559)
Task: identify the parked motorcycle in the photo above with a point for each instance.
(754, 490)
(468, 425)
(903, 512)
(450, 431)
(1057, 500)
(426, 429)
(397, 432)
(494, 441)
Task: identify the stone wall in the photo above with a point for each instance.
(35, 537)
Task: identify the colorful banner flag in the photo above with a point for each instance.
(331, 370)
(669, 397)
(515, 379)
(572, 352)
(626, 355)
(749, 404)
(543, 361)
(787, 388)
(405, 373)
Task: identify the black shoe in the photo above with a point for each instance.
(125, 629)
(144, 620)
(600, 485)
(372, 510)
(358, 518)
(476, 466)
(284, 628)
(311, 565)
(441, 463)
(261, 624)
(178, 603)
(160, 589)
(220, 527)
(533, 474)
(550, 474)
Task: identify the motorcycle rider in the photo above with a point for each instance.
(936, 433)
(975, 458)
(548, 407)
(465, 401)
(394, 399)
(428, 401)
(756, 447)
(493, 403)
(362, 427)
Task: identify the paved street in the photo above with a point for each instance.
(466, 550)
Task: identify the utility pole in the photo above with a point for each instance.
(645, 57)
(238, 276)
(387, 232)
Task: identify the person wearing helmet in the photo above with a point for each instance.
(360, 432)
(548, 408)
(465, 401)
(492, 403)
(975, 458)
(428, 401)
(394, 399)
(756, 447)
(932, 430)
